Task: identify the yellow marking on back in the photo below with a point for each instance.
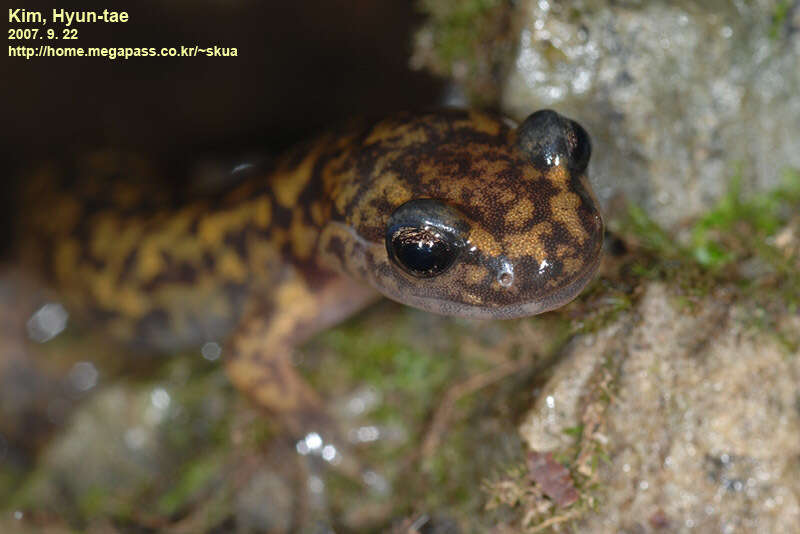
(431, 170)
(131, 302)
(213, 227)
(481, 122)
(292, 181)
(231, 267)
(104, 236)
(149, 263)
(490, 167)
(398, 136)
(103, 289)
(262, 212)
(66, 258)
(317, 215)
(303, 236)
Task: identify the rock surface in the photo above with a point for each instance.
(679, 97)
(701, 430)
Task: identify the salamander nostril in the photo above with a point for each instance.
(505, 275)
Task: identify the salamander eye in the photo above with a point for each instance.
(580, 146)
(423, 237)
(422, 252)
(552, 139)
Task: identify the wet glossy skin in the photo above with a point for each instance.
(531, 232)
(500, 220)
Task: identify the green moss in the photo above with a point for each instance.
(741, 244)
(737, 229)
(518, 503)
(650, 235)
(188, 485)
(95, 503)
(468, 40)
(384, 357)
(455, 23)
(574, 431)
(761, 215)
(779, 15)
(609, 305)
(11, 477)
(412, 360)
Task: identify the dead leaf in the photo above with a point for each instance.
(553, 478)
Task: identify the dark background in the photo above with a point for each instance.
(301, 66)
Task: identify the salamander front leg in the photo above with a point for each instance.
(258, 354)
(258, 362)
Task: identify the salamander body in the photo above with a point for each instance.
(455, 212)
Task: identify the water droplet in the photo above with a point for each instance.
(160, 398)
(543, 266)
(313, 441)
(377, 482)
(47, 322)
(329, 453)
(315, 484)
(302, 448)
(367, 433)
(135, 438)
(211, 351)
(83, 376)
(242, 167)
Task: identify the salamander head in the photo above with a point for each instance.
(483, 220)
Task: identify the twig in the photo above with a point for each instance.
(443, 414)
(552, 521)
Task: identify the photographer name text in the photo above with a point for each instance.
(65, 17)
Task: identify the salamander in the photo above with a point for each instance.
(455, 212)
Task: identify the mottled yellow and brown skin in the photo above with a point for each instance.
(300, 246)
